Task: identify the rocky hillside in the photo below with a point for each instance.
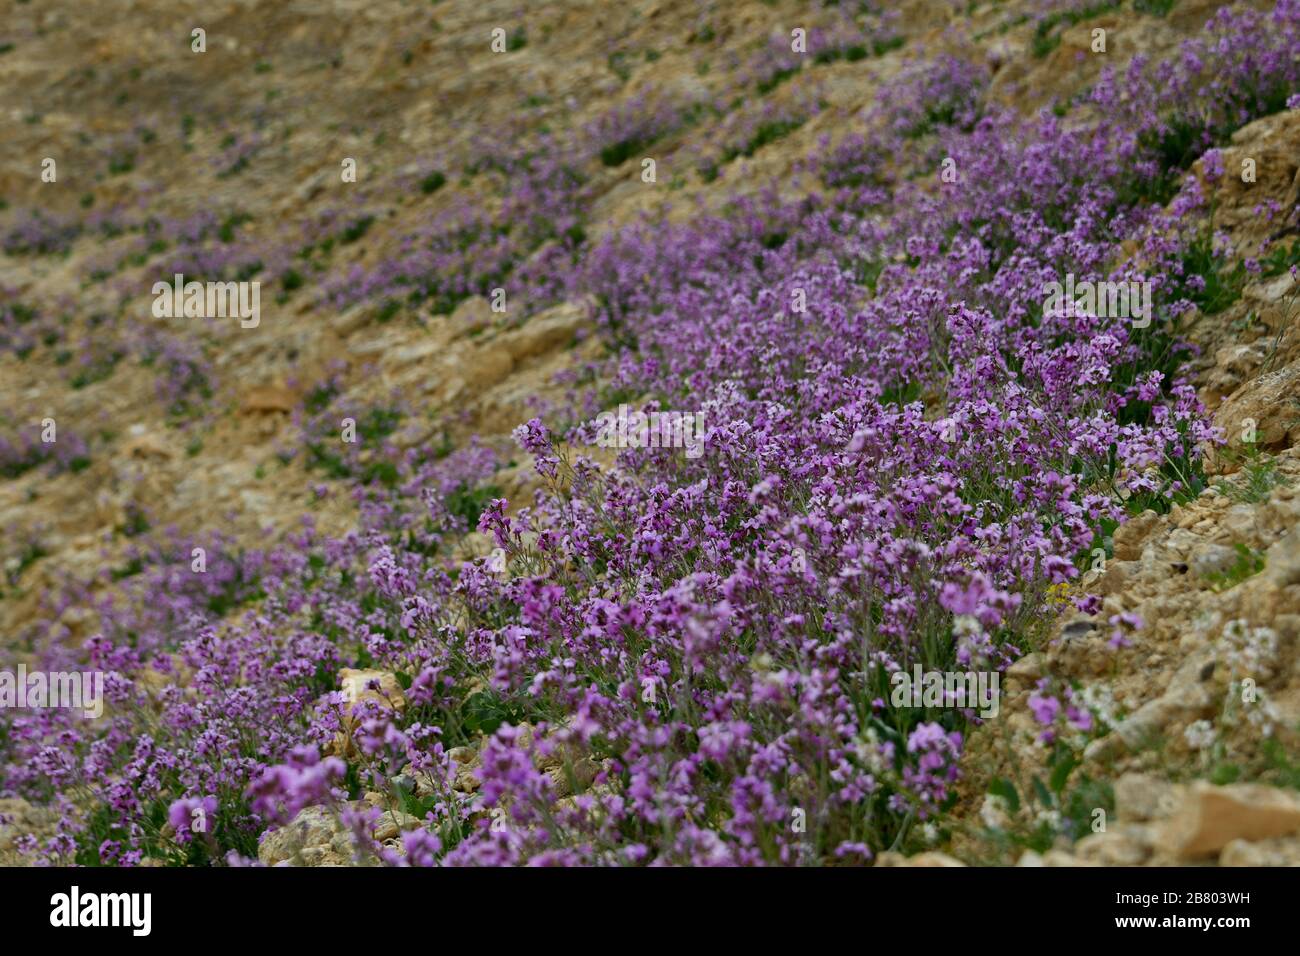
(369, 581)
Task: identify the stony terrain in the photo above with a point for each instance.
(185, 433)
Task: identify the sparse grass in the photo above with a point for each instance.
(1047, 38)
(97, 371)
(1257, 478)
(768, 132)
(616, 154)
(1280, 259)
(226, 231)
(31, 552)
(1223, 283)
(136, 522)
(133, 566)
(469, 503)
(1281, 769)
(859, 51)
(1248, 563)
(356, 229)
(1033, 814)
(617, 63)
(775, 79)
(319, 398)
(1154, 8)
(121, 163)
(432, 182)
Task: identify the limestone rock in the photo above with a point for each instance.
(567, 777)
(1133, 534)
(929, 858)
(1212, 817)
(392, 823)
(1210, 559)
(1142, 797)
(1280, 851)
(1267, 401)
(356, 687)
(544, 332)
(146, 445)
(1123, 846)
(471, 315)
(268, 398)
(314, 837)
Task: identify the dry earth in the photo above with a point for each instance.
(405, 88)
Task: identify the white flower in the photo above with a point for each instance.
(867, 749)
(993, 812)
(1262, 715)
(1051, 817)
(1100, 700)
(1250, 651)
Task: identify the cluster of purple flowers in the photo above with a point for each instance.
(687, 660)
(29, 449)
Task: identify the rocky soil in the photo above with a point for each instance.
(1195, 649)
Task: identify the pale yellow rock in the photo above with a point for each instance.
(1141, 797)
(268, 398)
(1121, 846)
(355, 685)
(314, 837)
(392, 823)
(544, 332)
(1267, 401)
(1132, 535)
(147, 446)
(1280, 851)
(928, 858)
(1056, 857)
(1211, 817)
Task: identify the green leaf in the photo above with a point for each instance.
(1001, 787)
(1061, 772)
(1224, 774)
